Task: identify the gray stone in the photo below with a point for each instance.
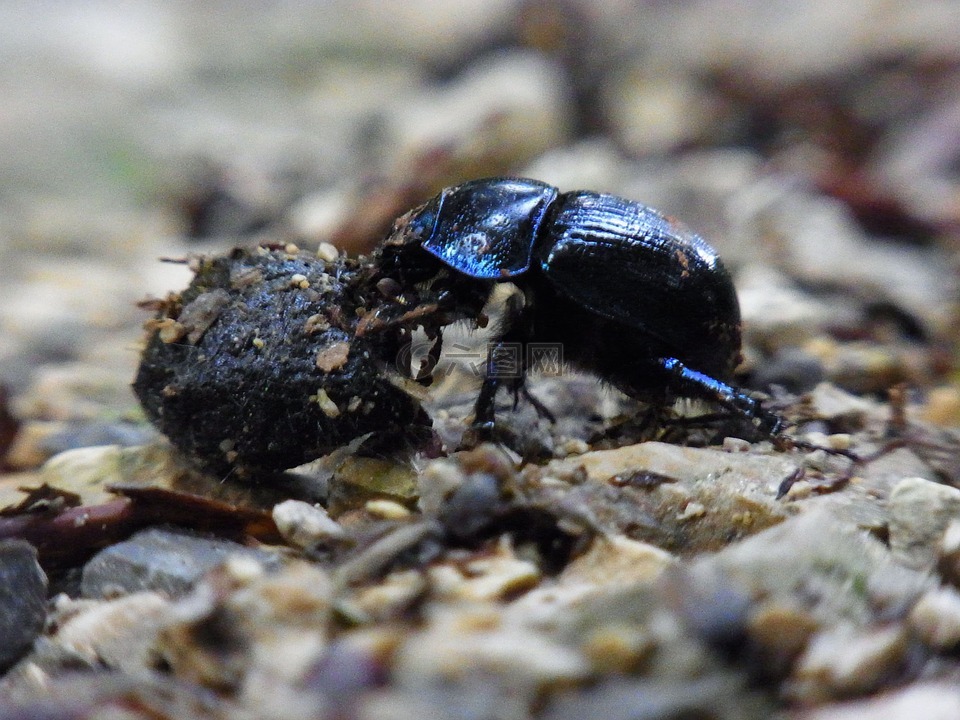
(935, 618)
(163, 560)
(23, 599)
(927, 700)
(845, 661)
(920, 511)
(837, 569)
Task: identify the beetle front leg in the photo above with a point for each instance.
(424, 374)
(505, 364)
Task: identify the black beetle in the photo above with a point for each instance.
(629, 293)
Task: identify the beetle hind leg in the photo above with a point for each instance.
(696, 384)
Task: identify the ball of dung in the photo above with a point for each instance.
(256, 367)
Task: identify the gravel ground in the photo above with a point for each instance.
(617, 562)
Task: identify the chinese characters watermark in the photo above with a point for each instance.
(503, 360)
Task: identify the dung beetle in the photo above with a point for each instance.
(629, 293)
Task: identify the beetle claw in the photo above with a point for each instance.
(479, 433)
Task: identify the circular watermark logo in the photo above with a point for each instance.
(416, 359)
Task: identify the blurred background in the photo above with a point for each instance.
(816, 144)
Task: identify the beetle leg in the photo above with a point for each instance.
(429, 362)
(704, 386)
(505, 362)
(519, 388)
(542, 410)
(485, 409)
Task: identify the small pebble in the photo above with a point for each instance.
(619, 648)
(836, 441)
(733, 444)
(942, 406)
(161, 560)
(359, 480)
(327, 252)
(299, 281)
(617, 561)
(497, 578)
(572, 446)
(333, 357)
(844, 660)
(23, 599)
(390, 596)
(936, 618)
(920, 511)
(815, 438)
(781, 631)
(929, 700)
(387, 509)
(326, 404)
(304, 525)
(243, 569)
(839, 441)
(948, 560)
(117, 633)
